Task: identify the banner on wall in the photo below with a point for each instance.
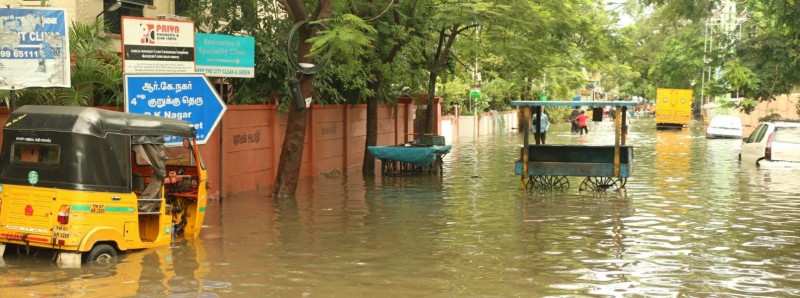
(34, 48)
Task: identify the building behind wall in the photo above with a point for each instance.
(87, 11)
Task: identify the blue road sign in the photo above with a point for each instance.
(189, 97)
(219, 55)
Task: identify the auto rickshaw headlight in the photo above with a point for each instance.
(63, 214)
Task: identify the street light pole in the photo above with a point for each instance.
(113, 7)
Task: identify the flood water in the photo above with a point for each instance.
(693, 222)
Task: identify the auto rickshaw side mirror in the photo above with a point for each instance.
(186, 143)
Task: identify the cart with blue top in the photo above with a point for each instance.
(546, 167)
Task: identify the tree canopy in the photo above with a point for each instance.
(744, 49)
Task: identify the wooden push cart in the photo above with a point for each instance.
(546, 167)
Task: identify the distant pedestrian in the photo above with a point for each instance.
(573, 117)
(540, 135)
(582, 123)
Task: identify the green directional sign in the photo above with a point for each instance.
(219, 55)
(474, 93)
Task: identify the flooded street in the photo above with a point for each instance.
(693, 222)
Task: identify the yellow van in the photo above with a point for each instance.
(90, 183)
(674, 108)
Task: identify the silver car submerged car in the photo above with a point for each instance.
(773, 144)
(724, 127)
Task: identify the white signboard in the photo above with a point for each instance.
(157, 46)
(34, 48)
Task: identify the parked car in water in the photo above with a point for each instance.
(773, 144)
(724, 127)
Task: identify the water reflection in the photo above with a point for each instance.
(693, 222)
(148, 272)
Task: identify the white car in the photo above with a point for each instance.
(773, 144)
(724, 127)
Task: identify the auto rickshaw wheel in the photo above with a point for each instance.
(101, 254)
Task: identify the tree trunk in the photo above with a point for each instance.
(447, 36)
(368, 166)
(293, 145)
(291, 158)
(430, 127)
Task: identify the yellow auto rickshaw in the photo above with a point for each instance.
(90, 183)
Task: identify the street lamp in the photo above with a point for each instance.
(113, 7)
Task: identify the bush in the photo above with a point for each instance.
(558, 114)
(770, 117)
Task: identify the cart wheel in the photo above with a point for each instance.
(101, 254)
(534, 183)
(538, 183)
(602, 183)
(529, 183)
(558, 183)
(547, 183)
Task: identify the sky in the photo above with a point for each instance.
(619, 7)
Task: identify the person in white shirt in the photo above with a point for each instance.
(540, 135)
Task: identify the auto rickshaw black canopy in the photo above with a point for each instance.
(94, 145)
(96, 122)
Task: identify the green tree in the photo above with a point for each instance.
(394, 24)
(294, 140)
(545, 47)
(266, 21)
(320, 36)
(767, 61)
(759, 60)
(450, 19)
(95, 76)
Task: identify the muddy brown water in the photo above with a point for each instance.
(692, 222)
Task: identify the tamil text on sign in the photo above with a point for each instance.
(189, 97)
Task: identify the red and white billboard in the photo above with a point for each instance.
(157, 46)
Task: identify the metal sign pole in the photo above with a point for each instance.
(12, 99)
(617, 137)
(223, 96)
(475, 128)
